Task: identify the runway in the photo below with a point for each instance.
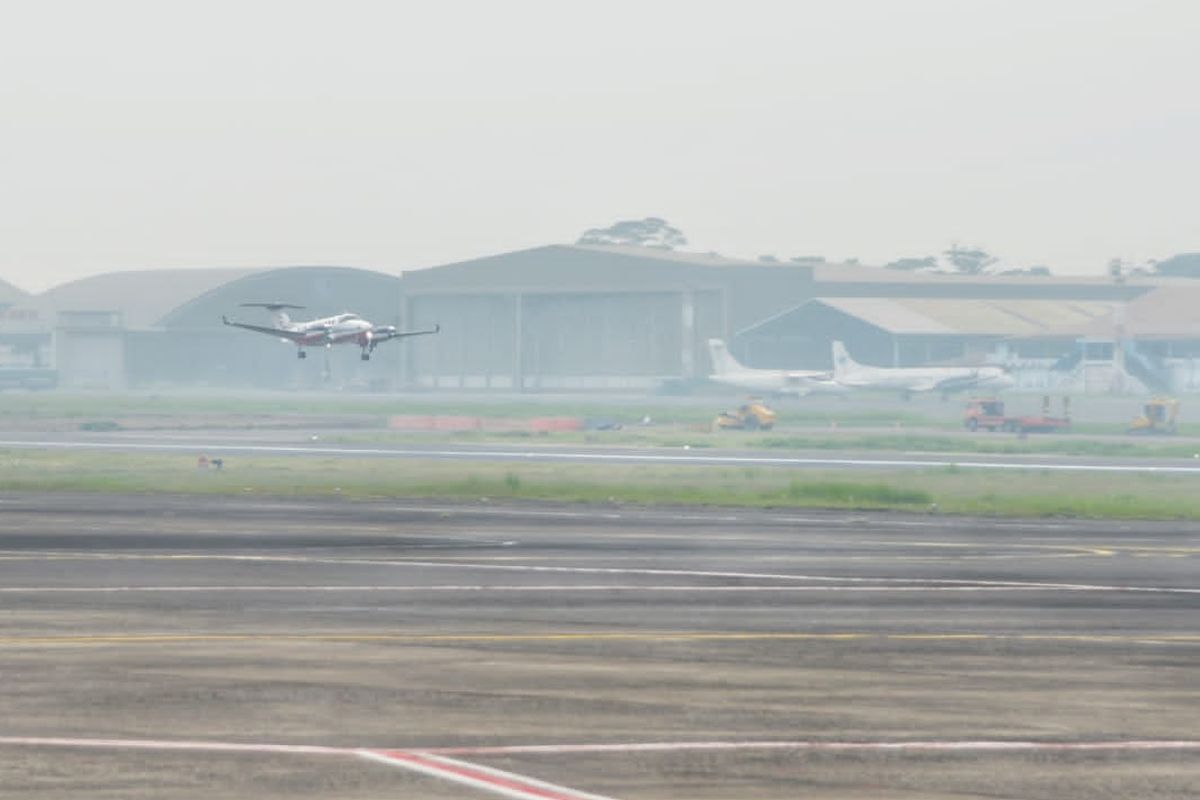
(191, 647)
(289, 444)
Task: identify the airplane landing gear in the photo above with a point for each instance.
(301, 354)
(366, 356)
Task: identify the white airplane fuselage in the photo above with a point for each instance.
(728, 371)
(339, 329)
(851, 374)
(774, 382)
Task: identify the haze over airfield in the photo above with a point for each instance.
(396, 136)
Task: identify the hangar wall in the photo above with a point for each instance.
(574, 318)
(562, 340)
(550, 318)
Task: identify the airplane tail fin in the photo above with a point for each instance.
(722, 362)
(842, 362)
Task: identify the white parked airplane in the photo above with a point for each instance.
(727, 370)
(326, 332)
(851, 374)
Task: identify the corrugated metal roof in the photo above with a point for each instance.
(940, 316)
(1164, 313)
(860, 273)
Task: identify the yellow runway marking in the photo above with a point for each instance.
(662, 636)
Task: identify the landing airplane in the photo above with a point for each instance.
(851, 374)
(727, 370)
(328, 331)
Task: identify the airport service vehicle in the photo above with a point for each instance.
(1158, 416)
(727, 370)
(325, 332)
(988, 413)
(908, 380)
(751, 416)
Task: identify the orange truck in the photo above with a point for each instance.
(988, 413)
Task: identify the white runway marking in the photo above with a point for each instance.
(606, 747)
(170, 744)
(516, 588)
(933, 746)
(676, 573)
(613, 457)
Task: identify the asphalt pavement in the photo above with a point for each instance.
(158, 646)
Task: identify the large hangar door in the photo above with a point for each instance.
(612, 340)
(476, 348)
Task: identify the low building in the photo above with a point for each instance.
(909, 331)
(1150, 344)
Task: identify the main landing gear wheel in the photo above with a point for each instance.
(301, 354)
(366, 356)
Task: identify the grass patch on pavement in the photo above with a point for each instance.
(1031, 492)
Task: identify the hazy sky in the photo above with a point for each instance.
(401, 135)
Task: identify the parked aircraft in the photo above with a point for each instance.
(851, 374)
(328, 331)
(727, 370)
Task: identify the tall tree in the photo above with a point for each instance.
(648, 232)
(970, 260)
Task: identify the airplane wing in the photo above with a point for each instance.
(381, 333)
(295, 336)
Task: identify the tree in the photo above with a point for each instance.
(1182, 265)
(969, 260)
(648, 232)
(912, 263)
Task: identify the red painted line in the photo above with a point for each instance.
(506, 784)
(435, 762)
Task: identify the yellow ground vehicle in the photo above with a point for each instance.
(752, 415)
(1158, 416)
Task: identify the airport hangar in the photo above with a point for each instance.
(551, 318)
